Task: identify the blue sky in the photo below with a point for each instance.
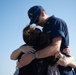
(13, 18)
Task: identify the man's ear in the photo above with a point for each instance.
(42, 13)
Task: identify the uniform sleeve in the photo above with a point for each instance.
(58, 33)
(58, 28)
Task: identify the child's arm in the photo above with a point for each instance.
(15, 54)
(24, 49)
(72, 64)
(67, 52)
(66, 61)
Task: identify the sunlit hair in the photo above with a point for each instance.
(30, 35)
(35, 37)
(28, 29)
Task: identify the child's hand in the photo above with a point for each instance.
(27, 49)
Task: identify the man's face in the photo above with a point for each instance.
(40, 21)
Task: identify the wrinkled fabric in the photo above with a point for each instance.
(53, 70)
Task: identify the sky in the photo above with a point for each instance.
(13, 18)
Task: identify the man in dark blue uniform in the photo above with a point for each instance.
(58, 30)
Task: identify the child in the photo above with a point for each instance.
(34, 37)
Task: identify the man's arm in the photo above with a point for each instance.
(51, 49)
(46, 52)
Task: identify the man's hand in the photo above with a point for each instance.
(67, 51)
(25, 60)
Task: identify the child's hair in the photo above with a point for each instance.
(35, 37)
